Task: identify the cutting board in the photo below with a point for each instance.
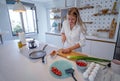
(73, 53)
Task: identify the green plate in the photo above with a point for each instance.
(62, 65)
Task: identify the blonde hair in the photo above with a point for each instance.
(74, 12)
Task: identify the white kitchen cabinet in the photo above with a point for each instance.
(54, 40)
(99, 49)
(86, 49)
(102, 49)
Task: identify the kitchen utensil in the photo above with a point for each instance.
(107, 66)
(112, 28)
(62, 65)
(39, 54)
(32, 44)
(63, 45)
(71, 71)
(104, 11)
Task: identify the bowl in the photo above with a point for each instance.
(81, 64)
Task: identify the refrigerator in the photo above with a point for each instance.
(117, 46)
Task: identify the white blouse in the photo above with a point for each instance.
(73, 36)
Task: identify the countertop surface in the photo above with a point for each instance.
(88, 37)
(15, 65)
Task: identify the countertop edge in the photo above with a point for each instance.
(53, 33)
(92, 38)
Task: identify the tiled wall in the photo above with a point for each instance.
(99, 22)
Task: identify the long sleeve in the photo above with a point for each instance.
(82, 40)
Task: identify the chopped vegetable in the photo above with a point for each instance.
(56, 71)
(80, 63)
(87, 58)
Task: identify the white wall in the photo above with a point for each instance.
(5, 25)
(42, 20)
(4, 21)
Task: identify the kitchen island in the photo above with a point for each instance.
(15, 65)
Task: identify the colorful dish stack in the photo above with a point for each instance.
(91, 71)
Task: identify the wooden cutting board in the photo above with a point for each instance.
(73, 53)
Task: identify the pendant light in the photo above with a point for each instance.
(18, 6)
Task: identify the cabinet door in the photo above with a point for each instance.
(102, 49)
(54, 40)
(87, 48)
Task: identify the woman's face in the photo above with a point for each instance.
(72, 20)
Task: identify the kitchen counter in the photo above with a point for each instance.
(15, 65)
(88, 37)
(53, 33)
(94, 38)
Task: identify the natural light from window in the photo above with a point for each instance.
(25, 21)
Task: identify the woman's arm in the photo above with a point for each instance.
(78, 44)
(82, 40)
(74, 47)
(63, 37)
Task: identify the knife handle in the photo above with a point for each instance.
(73, 77)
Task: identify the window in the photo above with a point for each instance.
(25, 21)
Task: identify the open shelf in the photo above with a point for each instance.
(86, 7)
(87, 22)
(109, 13)
(55, 18)
(55, 10)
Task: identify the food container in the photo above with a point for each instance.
(81, 64)
(20, 44)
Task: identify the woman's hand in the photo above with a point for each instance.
(66, 50)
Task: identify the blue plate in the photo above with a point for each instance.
(62, 65)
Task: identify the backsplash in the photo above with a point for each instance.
(102, 21)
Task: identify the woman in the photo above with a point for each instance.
(73, 31)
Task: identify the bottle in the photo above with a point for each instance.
(22, 37)
(20, 44)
